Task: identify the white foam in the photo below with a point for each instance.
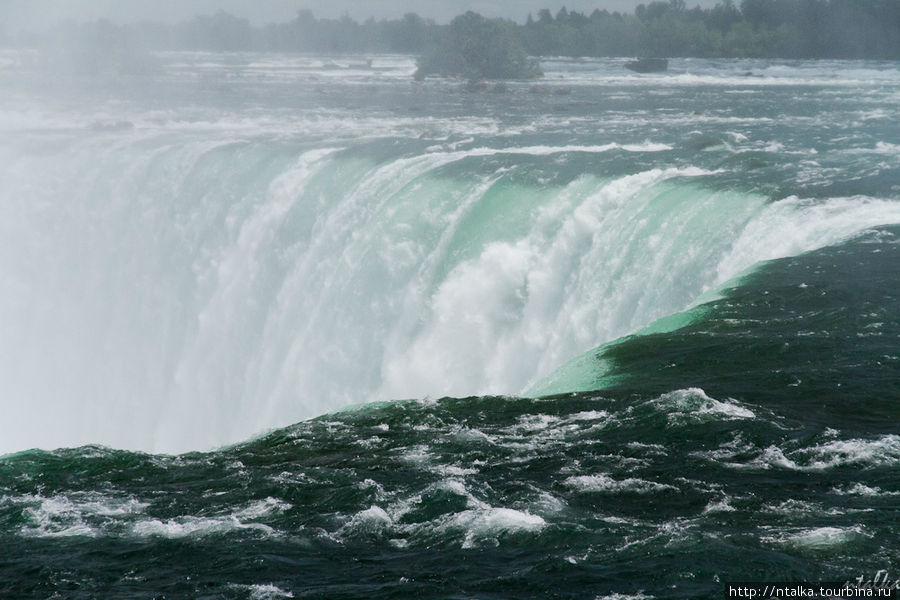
(56, 517)
(79, 514)
(588, 415)
(263, 591)
(454, 470)
(536, 423)
(484, 525)
(475, 436)
(418, 455)
(861, 489)
(693, 405)
(887, 148)
(455, 486)
(817, 538)
(793, 225)
(881, 451)
(772, 456)
(196, 526)
(476, 525)
(547, 504)
(794, 507)
(373, 520)
(719, 506)
(190, 526)
(603, 483)
(262, 508)
(657, 449)
(371, 484)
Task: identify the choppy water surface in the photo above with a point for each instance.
(697, 271)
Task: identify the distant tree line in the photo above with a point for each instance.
(750, 28)
(754, 28)
(477, 48)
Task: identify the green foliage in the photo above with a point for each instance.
(474, 47)
(756, 28)
(477, 48)
(219, 32)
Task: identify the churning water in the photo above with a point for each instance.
(695, 271)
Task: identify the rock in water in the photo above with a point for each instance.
(648, 65)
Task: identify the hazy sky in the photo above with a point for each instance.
(34, 14)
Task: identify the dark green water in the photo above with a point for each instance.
(784, 468)
(695, 273)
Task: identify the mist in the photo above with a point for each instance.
(380, 299)
(107, 32)
(36, 16)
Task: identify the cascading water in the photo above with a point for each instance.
(173, 294)
(699, 265)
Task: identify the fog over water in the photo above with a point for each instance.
(221, 244)
(32, 15)
(281, 319)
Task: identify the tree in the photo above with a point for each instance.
(723, 16)
(412, 34)
(220, 32)
(760, 13)
(478, 48)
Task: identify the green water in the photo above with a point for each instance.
(281, 337)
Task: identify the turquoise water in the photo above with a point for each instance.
(274, 329)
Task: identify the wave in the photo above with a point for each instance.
(170, 293)
(786, 228)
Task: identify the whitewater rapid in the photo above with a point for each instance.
(170, 287)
